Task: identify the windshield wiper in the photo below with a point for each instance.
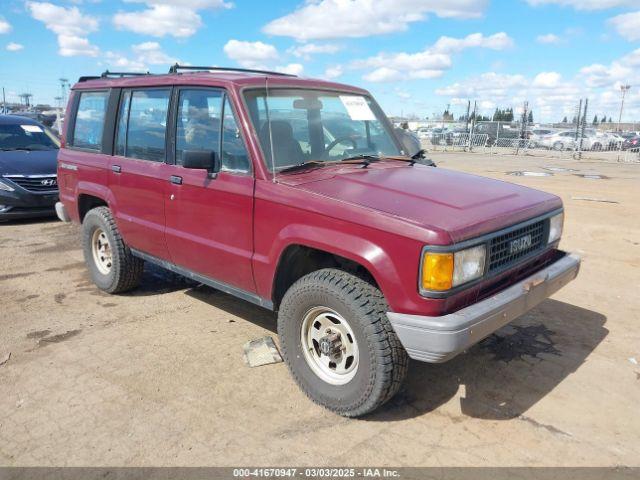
(363, 159)
(303, 166)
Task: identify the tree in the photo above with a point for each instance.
(604, 119)
(565, 119)
(610, 121)
(595, 120)
(574, 120)
(530, 117)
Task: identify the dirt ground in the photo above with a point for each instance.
(156, 377)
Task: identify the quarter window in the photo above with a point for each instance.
(89, 121)
(144, 112)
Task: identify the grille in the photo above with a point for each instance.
(36, 184)
(506, 249)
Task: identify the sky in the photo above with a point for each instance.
(415, 56)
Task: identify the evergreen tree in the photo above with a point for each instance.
(574, 120)
(595, 120)
(610, 121)
(604, 119)
(565, 119)
(530, 117)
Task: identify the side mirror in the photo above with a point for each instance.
(201, 159)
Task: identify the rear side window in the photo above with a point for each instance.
(89, 122)
(142, 124)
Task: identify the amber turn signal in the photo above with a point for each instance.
(437, 271)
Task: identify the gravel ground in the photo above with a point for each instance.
(157, 378)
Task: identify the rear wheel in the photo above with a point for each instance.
(558, 146)
(338, 343)
(112, 266)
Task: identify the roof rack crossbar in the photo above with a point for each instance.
(175, 68)
(107, 74)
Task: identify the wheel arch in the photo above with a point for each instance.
(300, 257)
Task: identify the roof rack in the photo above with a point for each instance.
(107, 74)
(175, 68)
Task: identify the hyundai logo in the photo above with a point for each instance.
(49, 182)
(520, 244)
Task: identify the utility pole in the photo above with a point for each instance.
(623, 89)
(466, 118)
(64, 83)
(4, 102)
(26, 97)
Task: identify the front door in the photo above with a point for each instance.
(209, 218)
(138, 169)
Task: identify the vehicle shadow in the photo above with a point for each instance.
(500, 378)
(26, 221)
(507, 373)
(239, 308)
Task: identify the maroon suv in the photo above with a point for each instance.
(295, 195)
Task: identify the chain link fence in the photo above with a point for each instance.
(540, 140)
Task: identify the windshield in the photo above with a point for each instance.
(26, 137)
(314, 125)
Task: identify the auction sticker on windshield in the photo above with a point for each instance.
(31, 128)
(357, 107)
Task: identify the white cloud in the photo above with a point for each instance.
(152, 54)
(627, 25)
(72, 46)
(306, 50)
(619, 71)
(291, 68)
(144, 55)
(5, 27)
(497, 41)
(70, 25)
(178, 18)
(429, 63)
(334, 72)
(250, 54)
(547, 80)
(586, 4)
(323, 19)
(14, 47)
(548, 38)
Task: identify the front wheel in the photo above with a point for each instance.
(338, 343)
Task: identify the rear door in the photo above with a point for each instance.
(138, 173)
(209, 218)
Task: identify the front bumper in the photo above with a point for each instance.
(24, 204)
(438, 339)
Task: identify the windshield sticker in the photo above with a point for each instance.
(357, 107)
(31, 128)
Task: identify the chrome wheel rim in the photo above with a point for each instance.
(101, 248)
(329, 345)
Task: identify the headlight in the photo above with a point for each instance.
(5, 187)
(443, 271)
(555, 227)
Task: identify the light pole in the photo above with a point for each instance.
(623, 89)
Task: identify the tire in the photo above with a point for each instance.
(113, 268)
(380, 363)
(558, 146)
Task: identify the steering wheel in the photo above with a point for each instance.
(338, 141)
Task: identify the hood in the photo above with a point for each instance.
(461, 204)
(20, 162)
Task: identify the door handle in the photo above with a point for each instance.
(175, 179)
(116, 168)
